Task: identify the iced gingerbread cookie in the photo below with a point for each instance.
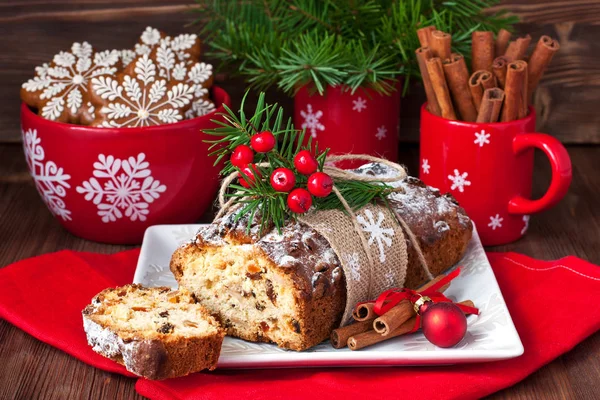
(187, 47)
(59, 88)
(199, 75)
(139, 97)
(88, 115)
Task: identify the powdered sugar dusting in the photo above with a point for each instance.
(301, 248)
(109, 344)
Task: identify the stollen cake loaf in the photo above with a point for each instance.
(288, 287)
(157, 333)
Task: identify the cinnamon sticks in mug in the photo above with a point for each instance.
(497, 63)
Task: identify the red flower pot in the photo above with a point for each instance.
(365, 122)
(489, 169)
(110, 184)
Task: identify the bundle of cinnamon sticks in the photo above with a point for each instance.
(502, 81)
(370, 329)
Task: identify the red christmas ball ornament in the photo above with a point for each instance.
(444, 324)
(305, 163)
(299, 200)
(248, 176)
(263, 142)
(242, 155)
(283, 179)
(320, 184)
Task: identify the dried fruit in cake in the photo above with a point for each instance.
(139, 97)
(289, 287)
(157, 333)
(59, 88)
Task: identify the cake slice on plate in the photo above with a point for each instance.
(156, 333)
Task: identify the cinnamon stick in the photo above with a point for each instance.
(518, 48)
(440, 44)
(457, 75)
(424, 54)
(491, 105)
(515, 91)
(479, 81)
(544, 50)
(482, 50)
(499, 70)
(424, 35)
(339, 337)
(364, 312)
(402, 311)
(369, 338)
(502, 40)
(438, 82)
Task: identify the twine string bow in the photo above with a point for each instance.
(342, 174)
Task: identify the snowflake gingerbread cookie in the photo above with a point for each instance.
(187, 47)
(139, 97)
(199, 75)
(59, 89)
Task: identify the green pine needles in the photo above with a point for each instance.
(260, 199)
(355, 43)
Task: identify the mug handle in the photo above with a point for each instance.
(561, 172)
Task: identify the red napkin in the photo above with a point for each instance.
(44, 296)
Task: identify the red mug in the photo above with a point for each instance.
(365, 122)
(488, 168)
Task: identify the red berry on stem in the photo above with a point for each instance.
(263, 142)
(242, 155)
(299, 200)
(283, 179)
(248, 175)
(305, 163)
(444, 324)
(320, 184)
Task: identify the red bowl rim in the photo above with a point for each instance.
(220, 95)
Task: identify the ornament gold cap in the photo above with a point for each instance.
(422, 300)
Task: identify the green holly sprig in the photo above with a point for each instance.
(255, 191)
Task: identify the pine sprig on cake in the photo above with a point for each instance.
(291, 43)
(279, 170)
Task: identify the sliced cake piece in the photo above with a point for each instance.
(289, 287)
(156, 333)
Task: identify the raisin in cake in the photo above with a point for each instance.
(290, 288)
(157, 333)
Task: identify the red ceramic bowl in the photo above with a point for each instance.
(110, 184)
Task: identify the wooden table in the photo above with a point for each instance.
(31, 369)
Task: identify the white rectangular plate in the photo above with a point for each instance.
(490, 336)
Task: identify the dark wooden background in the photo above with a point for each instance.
(33, 31)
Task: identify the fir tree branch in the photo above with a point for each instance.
(290, 43)
(260, 199)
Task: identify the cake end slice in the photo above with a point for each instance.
(157, 333)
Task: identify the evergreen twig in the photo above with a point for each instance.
(261, 199)
(368, 43)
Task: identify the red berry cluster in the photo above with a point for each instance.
(299, 200)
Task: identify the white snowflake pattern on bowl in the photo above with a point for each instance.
(51, 181)
(128, 188)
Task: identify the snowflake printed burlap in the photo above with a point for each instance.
(199, 75)
(59, 89)
(386, 244)
(187, 47)
(139, 97)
